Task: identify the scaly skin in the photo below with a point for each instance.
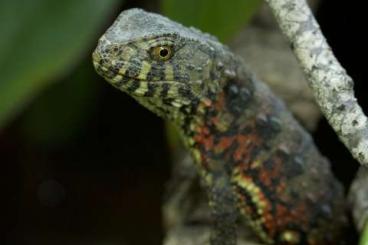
(250, 152)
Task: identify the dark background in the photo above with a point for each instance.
(103, 183)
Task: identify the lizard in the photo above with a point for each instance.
(254, 158)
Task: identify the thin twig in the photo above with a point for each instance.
(332, 87)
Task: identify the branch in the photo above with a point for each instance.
(332, 87)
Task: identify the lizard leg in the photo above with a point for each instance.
(224, 211)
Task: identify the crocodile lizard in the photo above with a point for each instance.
(254, 159)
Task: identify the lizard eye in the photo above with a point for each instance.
(161, 53)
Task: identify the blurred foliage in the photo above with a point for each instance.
(221, 19)
(43, 40)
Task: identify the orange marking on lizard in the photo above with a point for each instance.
(245, 144)
(224, 143)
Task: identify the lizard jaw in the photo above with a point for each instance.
(143, 88)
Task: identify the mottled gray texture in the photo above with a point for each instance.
(332, 87)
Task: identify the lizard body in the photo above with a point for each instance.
(249, 150)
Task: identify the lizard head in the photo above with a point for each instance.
(159, 62)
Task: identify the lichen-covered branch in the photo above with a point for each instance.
(332, 87)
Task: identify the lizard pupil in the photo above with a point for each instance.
(164, 52)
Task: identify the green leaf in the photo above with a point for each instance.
(218, 17)
(40, 41)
